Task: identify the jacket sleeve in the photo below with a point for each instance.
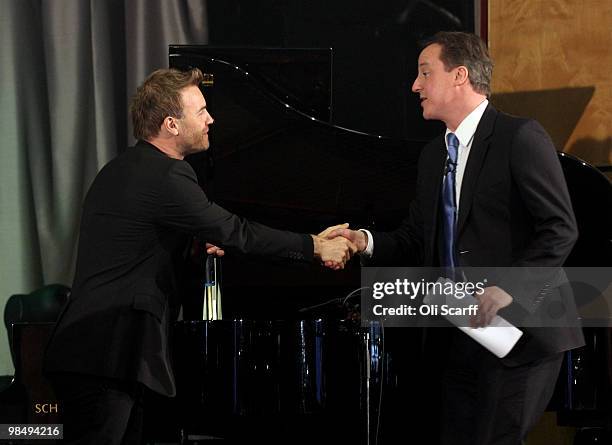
(185, 207)
(537, 172)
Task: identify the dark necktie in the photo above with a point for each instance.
(449, 203)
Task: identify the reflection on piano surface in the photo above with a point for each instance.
(285, 381)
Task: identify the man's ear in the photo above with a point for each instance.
(461, 75)
(170, 125)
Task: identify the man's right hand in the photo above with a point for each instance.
(357, 237)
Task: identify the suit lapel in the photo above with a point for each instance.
(478, 152)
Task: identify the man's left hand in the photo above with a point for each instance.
(489, 302)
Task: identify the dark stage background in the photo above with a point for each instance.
(375, 50)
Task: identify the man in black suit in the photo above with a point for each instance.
(490, 192)
(110, 345)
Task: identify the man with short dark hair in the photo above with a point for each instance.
(490, 192)
(110, 345)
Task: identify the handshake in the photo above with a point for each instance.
(336, 245)
(333, 247)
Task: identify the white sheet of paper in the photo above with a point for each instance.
(499, 337)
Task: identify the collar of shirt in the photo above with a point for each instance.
(466, 129)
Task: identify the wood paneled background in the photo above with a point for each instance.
(553, 61)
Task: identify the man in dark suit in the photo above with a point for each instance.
(490, 192)
(110, 345)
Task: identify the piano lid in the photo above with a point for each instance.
(300, 77)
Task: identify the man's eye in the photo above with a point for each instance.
(425, 73)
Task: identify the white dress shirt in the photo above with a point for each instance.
(465, 133)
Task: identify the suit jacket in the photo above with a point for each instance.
(514, 210)
(137, 221)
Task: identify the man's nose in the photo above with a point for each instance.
(416, 86)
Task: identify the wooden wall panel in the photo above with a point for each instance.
(553, 62)
(561, 52)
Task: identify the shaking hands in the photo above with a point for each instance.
(336, 245)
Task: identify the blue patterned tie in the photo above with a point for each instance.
(449, 203)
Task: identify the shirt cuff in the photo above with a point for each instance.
(369, 250)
